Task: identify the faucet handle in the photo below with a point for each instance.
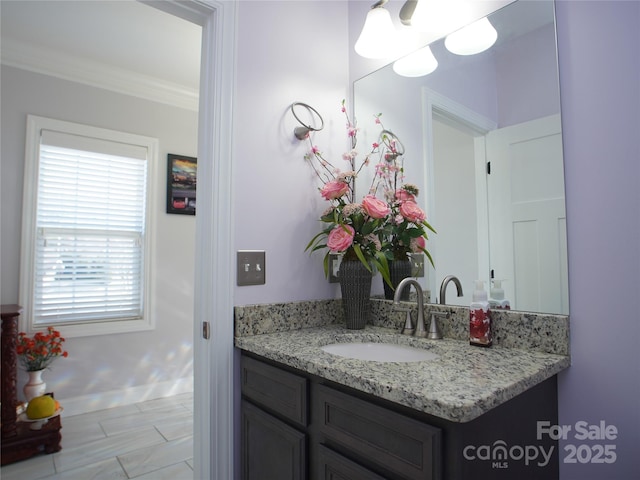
(408, 328)
(434, 329)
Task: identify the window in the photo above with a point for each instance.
(86, 248)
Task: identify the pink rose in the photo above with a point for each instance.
(333, 190)
(404, 196)
(340, 238)
(412, 212)
(375, 207)
(418, 244)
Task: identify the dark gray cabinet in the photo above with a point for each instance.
(274, 422)
(296, 425)
(271, 448)
(277, 390)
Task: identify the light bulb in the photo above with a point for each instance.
(378, 36)
(437, 17)
(472, 39)
(416, 64)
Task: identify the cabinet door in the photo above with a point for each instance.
(330, 465)
(271, 449)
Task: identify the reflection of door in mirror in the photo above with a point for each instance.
(454, 207)
(519, 207)
(457, 192)
(528, 221)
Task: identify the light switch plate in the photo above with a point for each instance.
(251, 268)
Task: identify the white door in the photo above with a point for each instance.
(527, 220)
(455, 246)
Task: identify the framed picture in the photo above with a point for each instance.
(182, 173)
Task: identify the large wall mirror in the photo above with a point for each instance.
(497, 110)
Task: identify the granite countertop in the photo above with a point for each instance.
(461, 384)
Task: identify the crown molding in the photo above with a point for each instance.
(89, 72)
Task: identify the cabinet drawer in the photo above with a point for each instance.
(280, 391)
(333, 466)
(400, 445)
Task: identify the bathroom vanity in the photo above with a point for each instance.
(468, 413)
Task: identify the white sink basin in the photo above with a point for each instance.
(379, 352)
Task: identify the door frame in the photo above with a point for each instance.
(213, 426)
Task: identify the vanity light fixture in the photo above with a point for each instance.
(302, 132)
(406, 12)
(416, 64)
(378, 36)
(435, 16)
(474, 38)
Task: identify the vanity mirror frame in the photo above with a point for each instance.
(436, 105)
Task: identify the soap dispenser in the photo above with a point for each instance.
(480, 318)
(496, 297)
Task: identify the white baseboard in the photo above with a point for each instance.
(127, 396)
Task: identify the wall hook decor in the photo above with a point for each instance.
(303, 131)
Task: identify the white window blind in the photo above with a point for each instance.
(89, 228)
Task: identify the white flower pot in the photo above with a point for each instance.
(35, 387)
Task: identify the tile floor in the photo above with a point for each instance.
(152, 440)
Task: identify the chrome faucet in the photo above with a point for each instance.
(443, 287)
(419, 330)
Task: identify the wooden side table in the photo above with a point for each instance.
(19, 442)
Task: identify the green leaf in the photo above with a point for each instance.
(414, 232)
(318, 247)
(360, 255)
(426, 252)
(318, 238)
(383, 267)
(428, 226)
(326, 265)
(367, 228)
(314, 240)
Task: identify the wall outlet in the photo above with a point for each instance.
(416, 259)
(335, 259)
(417, 264)
(251, 267)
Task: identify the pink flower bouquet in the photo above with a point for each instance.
(352, 228)
(406, 227)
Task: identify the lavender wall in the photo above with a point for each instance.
(287, 51)
(599, 52)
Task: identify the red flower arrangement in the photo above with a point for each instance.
(38, 352)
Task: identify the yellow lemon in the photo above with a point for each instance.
(41, 407)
